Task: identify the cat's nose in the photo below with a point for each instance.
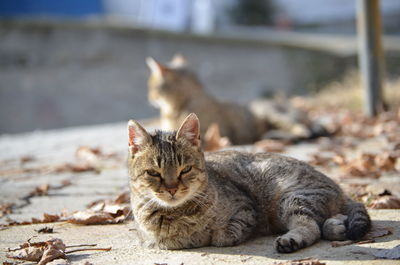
(172, 191)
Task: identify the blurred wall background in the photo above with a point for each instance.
(69, 63)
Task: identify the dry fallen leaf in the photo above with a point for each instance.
(119, 210)
(27, 253)
(393, 253)
(76, 168)
(47, 251)
(55, 250)
(89, 154)
(320, 160)
(41, 190)
(385, 161)
(123, 198)
(5, 208)
(385, 202)
(45, 230)
(270, 145)
(50, 218)
(41, 252)
(90, 218)
(26, 158)
(94, 156)
(362, 166)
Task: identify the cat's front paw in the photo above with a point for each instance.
(289, 243)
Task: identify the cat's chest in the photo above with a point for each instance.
(165, 106)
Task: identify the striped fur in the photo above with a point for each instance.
(227, 197)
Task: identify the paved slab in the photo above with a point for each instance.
(126, 248)
(59, 146)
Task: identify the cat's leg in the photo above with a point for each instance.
(301, 213)
(236, 230)
(303, 232)
(334, 228)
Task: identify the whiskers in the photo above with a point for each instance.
(150, 203)
(200, 199)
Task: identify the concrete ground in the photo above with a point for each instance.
(20, 154)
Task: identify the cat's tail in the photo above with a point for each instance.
(358, 220)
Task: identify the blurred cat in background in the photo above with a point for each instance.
(176, 91)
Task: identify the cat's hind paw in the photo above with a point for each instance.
(289, 243)
(335, 228)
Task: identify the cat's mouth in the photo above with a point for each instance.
(172, 200)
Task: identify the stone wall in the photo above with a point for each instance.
(58, 74)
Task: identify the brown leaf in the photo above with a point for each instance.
(36, 221)
(88, 154)
(27, 253)
(123, 198)
(41, 190)
(213, 140)
(362, 166)
(386, 202)
(77, 168)
(339, 160)
(90, 218)
(270, 145)
(307, 261)
(52, 252)
(26, 158)
(65, 183)
(5, 208)
(41, 252)
(385, 161)
(50, 218)
(393, 253)
(320, 160)
(114, 209)
(45, 230)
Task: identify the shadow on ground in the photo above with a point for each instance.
(323, 250)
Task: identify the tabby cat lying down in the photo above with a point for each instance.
(184, 198)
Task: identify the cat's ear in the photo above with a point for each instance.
(179, 60)
(137, 137)
(190, 130)
(156, 68)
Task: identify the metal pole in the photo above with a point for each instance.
(370, 54)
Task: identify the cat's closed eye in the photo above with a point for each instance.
(186, 170)
(153, 173)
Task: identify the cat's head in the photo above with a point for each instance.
(167, 167)
(171, 85)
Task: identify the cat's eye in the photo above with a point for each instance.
(153, 173)
(186, 170)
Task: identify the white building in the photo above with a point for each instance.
(204, 16)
